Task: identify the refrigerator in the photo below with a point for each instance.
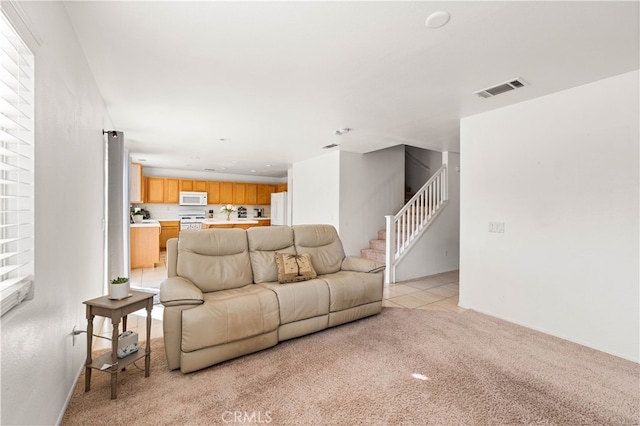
(279, 208)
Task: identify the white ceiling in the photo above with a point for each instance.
(276, 79)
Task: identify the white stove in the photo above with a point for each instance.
(191, 219)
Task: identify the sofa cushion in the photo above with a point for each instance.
(348, 289)
(264, 242)
(214, 259)
(294, 267)
(323, 245)
(301, 300)
(228, 316)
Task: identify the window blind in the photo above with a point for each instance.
(16, 168)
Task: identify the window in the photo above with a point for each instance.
(16, 168)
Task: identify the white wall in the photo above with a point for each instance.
(39, 363)
(350, 191)
(371, 186)
(561, 172)
(438, 249)
(316, 191)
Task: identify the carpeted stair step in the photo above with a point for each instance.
(377, 245)
(373, 254)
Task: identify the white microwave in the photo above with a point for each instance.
(193, 198)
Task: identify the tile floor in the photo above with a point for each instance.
(435, 292)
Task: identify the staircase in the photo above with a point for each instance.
(376, 250)
(408, 224)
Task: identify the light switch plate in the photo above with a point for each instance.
(497, 227)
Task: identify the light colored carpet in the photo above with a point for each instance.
(400, 367)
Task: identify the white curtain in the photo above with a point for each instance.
(117, 202)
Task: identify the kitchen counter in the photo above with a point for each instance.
(147, 223)
(229, 222)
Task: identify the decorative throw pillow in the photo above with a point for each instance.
(294, 267)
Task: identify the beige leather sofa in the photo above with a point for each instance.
(222, 298)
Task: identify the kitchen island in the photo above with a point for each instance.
(235, 223)
(145, 244)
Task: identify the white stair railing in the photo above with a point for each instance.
(403, 229)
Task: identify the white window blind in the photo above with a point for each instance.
(16, 168)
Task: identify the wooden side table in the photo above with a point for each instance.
(116, 310)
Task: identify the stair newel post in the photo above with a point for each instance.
(389, 250)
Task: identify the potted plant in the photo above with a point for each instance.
(228, 209)
(119, 288)
(138, 215)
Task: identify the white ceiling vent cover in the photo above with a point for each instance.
(507, 86)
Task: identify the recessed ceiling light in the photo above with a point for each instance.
(342, 131)
(209, 170)
(222, 140)
(142, 160)
(253, 171)
(437, 19)
(267, 165)
(332, 145)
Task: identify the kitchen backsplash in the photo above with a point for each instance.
(170, 211)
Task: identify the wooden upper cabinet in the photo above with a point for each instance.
(213, 192)
(239, 193)
(172, 191)
(251, 196)
(262, 197)
(226, 192)
(186, 185)
(270, 190)
(200, 186)
(135, 184)
(281, 187)
(155, 190)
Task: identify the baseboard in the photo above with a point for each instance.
(69, 395)
(559, 336)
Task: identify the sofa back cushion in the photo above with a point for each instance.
(322, 243)
(214, 259)
(264, 242)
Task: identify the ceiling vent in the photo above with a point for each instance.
(507, 86)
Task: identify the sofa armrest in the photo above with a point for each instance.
(176, 291)
(359, 264)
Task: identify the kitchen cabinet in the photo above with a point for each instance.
(251, 194)
(145, 246)
(200, 186)
(168, 229)
(213, 192)
(155, 190)
(226, 192)
(270, 190)
(261, 197)
(239, 193)
(171, 191)
(229, 225)
(135, 184)
(186, 185)
(167, 190)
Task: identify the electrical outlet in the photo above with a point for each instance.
(497, 227)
